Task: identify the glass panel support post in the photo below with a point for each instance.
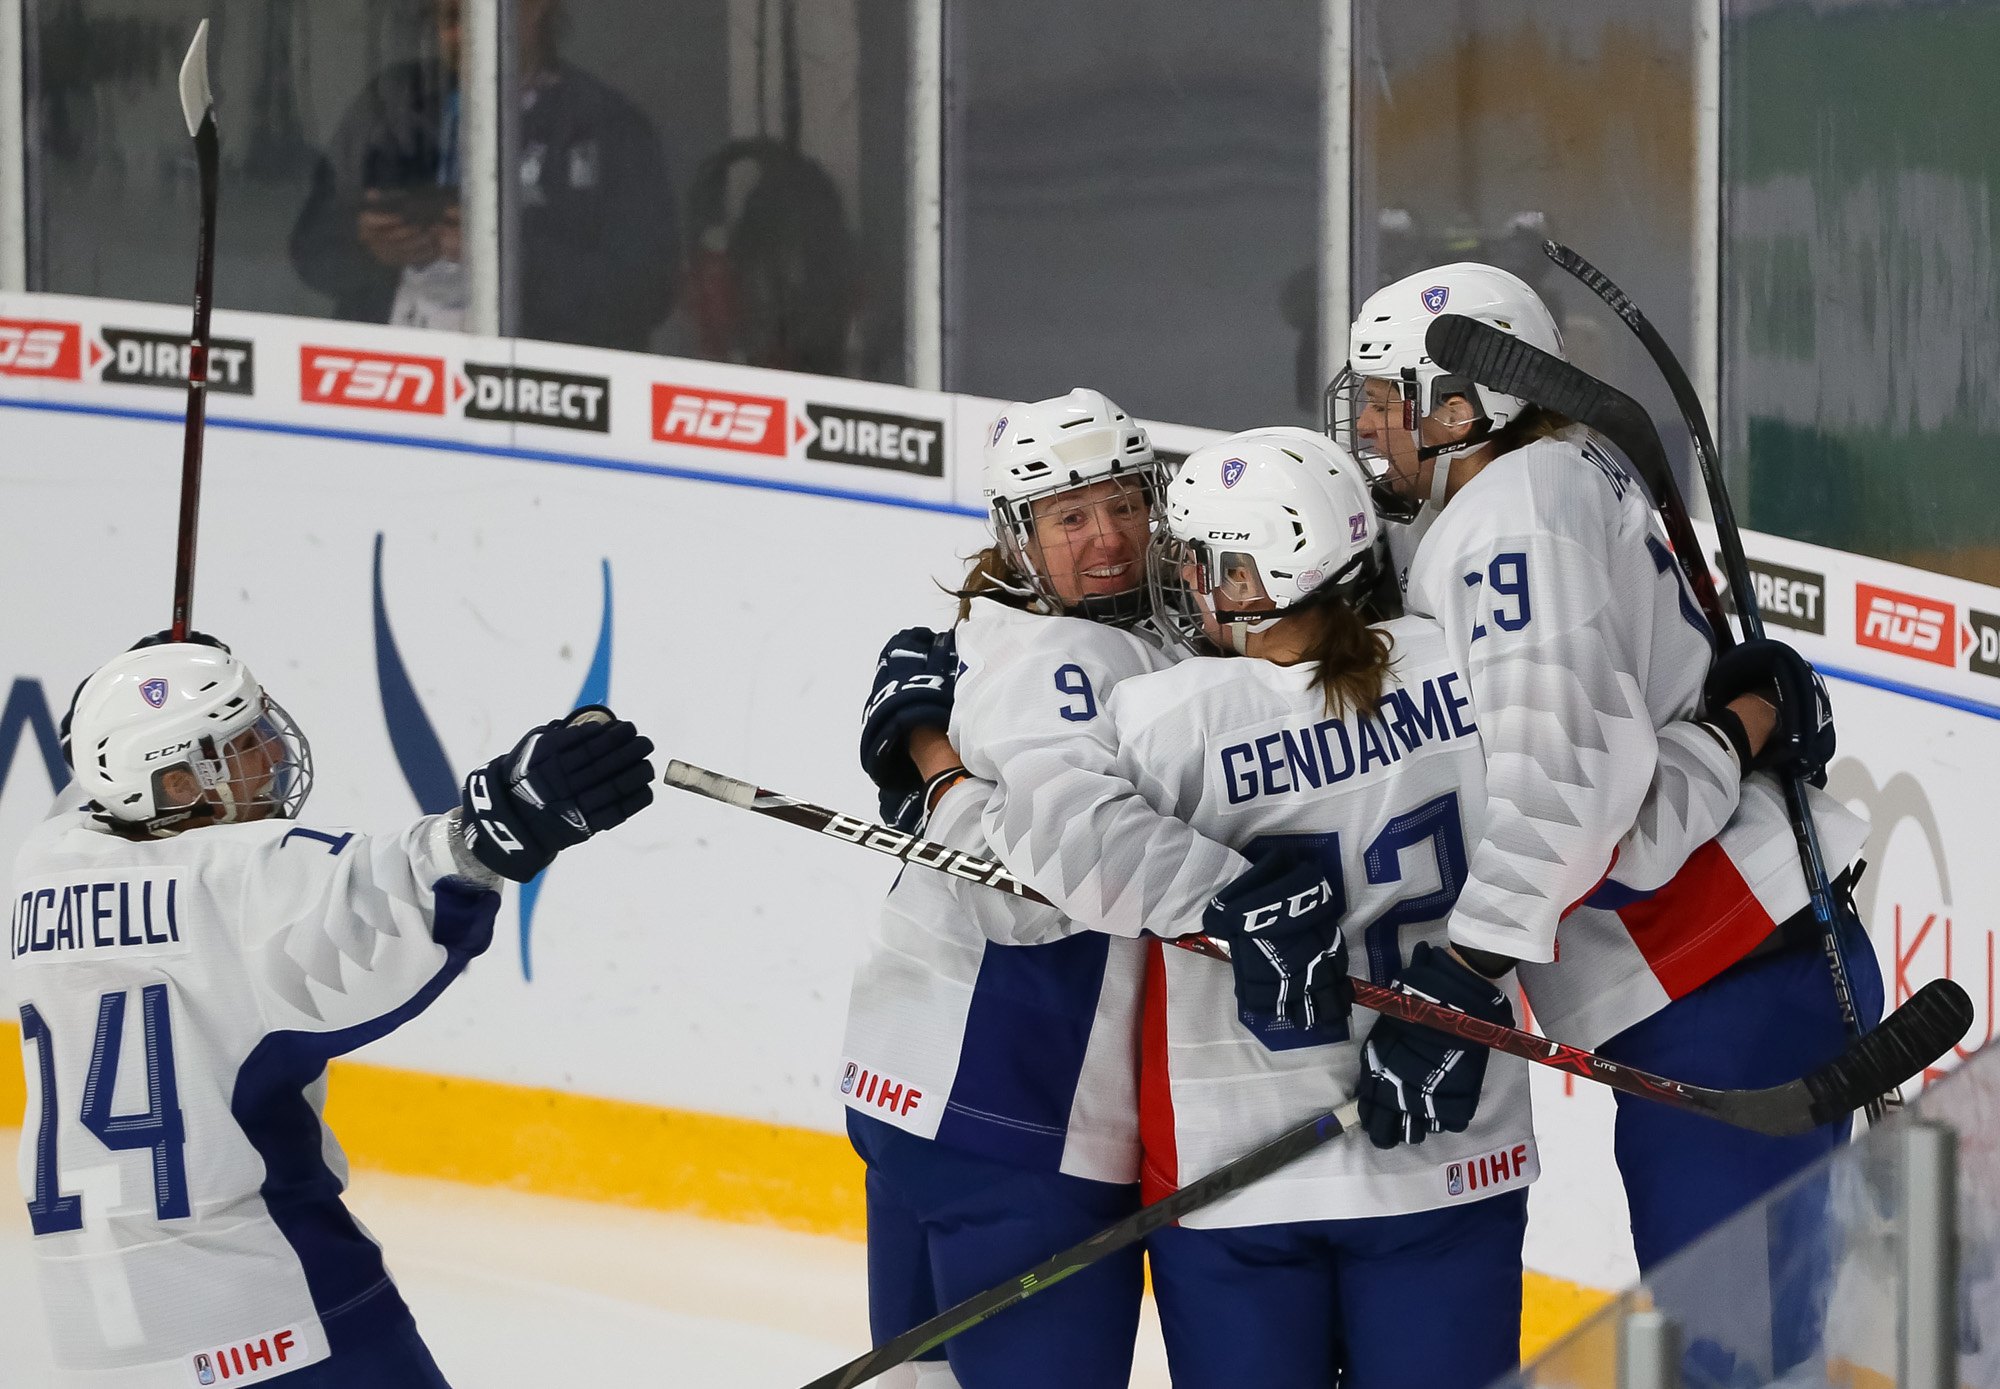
(1927, 1350)
(1708, 225)
(1336, 179)
(925, 284)
(480, 164)
(1649, 1352)
(13, 151)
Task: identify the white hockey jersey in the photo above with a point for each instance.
(1559, 597)
(179, 1000)
(993, 1025)
(1388, 800)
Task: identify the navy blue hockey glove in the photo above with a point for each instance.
(1282, 922)
(1415, 1081)
(1803, 740)
(913, 688)
(560, 785)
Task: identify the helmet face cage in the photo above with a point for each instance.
(1014, 526)
(262, 772)
(1346, 400)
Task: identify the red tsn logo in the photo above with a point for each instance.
(31, 347)
(715, 420)
(1905, 623)
(371, 380)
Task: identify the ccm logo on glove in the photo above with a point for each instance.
(1297, 905)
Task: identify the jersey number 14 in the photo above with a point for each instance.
(158, 1128)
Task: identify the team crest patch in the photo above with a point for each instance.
(999, 428)
(1435, 296)
(154, 691)
(1232, 471)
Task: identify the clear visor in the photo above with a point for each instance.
(1083, 549)
(1196, 589)
(263, 772)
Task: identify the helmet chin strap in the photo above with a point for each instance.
(1240, 632)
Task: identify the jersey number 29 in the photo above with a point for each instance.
(159, 1127)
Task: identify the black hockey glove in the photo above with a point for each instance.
(1415, 1081)
(560, 785)
(913, 687)
(1803, 740)
(1282, 922)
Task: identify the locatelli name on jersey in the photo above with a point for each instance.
(523, 395)
(141, 358)
(872, 439)
(1329, 752)
(132, 913)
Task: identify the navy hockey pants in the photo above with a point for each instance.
(1764, 1022)
(944, 1224)
(1425, 1301)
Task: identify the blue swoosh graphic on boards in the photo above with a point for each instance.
(596, 690)
(415, 743)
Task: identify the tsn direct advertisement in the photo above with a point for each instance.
(422, 542)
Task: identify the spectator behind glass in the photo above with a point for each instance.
(600, 239)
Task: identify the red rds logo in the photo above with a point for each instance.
(371, 380)
(32, 347)
(1906, 624)
(718, 420)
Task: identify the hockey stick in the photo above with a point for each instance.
(1908, 1040)
(1812, 861)
(1225, 1180)
(1468, 347)
(198, 106)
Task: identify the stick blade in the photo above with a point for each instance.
(196, 99)
(1935, 1019)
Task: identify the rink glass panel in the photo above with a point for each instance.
(1483, 126)
(1132, 194)
(1861, 287)
(703, 241)
(1805, 1286)
(112, 188)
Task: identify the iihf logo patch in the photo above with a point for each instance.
(999, 428)
(154, 691)
(1454, 1180)
(1435, 296)
(1232, 471)
(847, 1080)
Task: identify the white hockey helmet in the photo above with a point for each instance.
(1040, 449)
(1386, 346)
(1258, 524)
(198, 708)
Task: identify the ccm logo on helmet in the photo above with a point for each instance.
(32, 347)
(375, 381)
(1229, 535)
(177, 748)
(715, 420)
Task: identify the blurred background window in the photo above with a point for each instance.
(716, 178)
(1132, 203)
(1483, 126)
(1861, 286)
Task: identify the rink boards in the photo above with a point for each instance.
(424, 543)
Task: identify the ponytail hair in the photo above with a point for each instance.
(1352, 659)
(992, 576)
(1535, 422)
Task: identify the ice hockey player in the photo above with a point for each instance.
(990, 1063)
(1540, 556)
(186, 957)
